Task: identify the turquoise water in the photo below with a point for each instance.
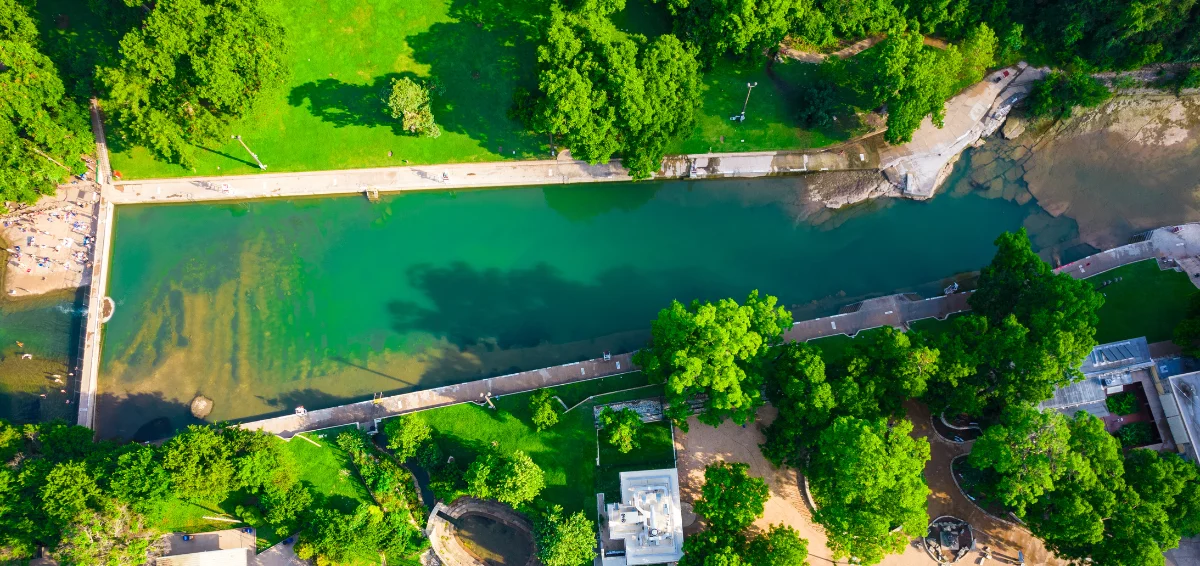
(264, 306)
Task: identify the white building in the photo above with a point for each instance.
(646, 527)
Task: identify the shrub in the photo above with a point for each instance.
(1122, 404)
(405, 435)
(541, 405)
(621, 428)
(1058, 94)
(409, 102)
(1135, 434)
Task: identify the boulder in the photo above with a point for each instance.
(201, 406)
(1013, 127)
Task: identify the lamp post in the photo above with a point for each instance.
(749, 88)
(252, 154)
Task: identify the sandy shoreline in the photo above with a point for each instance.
(48, 246)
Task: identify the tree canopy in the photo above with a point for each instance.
(409, 102)
(43, 133)
(621, 428)
(1028, 332)
(513, 479)
(405, 435)
(1070, 482)
(866, 477)
(542, 407)
(565, 541)
(715, 350)
(603, 92)
(190, 68)
(730, 501)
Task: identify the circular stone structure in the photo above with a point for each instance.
(948, 539)
(201, 406)
(477, 532)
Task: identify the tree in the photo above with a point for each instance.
(199, 463)
(621, 428)
(259, 459)
(68, 490)
(1070, 518)
(866, 478)
(1029, 449)
(714, 350)
(1028, 333)
(804, 398)
(541, 406)
(912, 80)
(565, 541)
(740, 28)
(1057, 95)
(880, 372)
(513, 480)
(781, 545)
(731, 499)
(978, 53)
(818, 103)
(334, 536)
(189, 69)
(285, 506)
(139, 478)
(43, 133)
(406, 435)
(409, 103)
(601, 91)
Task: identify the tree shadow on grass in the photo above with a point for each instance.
(347, 104)
(481, 59)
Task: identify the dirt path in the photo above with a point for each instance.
(848, 51)
(704, 445)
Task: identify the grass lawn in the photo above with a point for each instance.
(326, 471)
(1145, 302)
(566, 452)
(332, 114)
(655, 451)
(575, 393)
(771, 114)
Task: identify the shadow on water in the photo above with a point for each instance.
(141, 417)
(526, 307)
(580, 203)
(344, 361)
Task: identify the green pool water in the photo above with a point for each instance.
(265, 306)
(43, 387)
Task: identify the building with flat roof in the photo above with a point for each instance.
(1181, 405)
(646, 526)
(1106, 370)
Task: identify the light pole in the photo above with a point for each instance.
(749, 88)
(252, 154)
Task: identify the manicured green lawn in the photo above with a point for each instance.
(574, 393)
(331, 114)
(1145, 302)
(771, 114)
(326, 471)
(655, 451)
(566, 452)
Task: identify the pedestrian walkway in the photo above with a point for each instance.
(1179, 245)
(474, 391)
(854, 155)
(897, 311)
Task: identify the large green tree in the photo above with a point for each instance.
(717, 350)
(740, 27)
(865, 477)
(1028, 332)
(565, 541)
(914, 81)
(405, 435)
(730, 501)
(189, 69)
(200, 463)
(43, 132)
(604, 92)
(799, 390)
(1029, 449)
(881, 370)
(513, 479)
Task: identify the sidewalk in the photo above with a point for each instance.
(848, 156)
